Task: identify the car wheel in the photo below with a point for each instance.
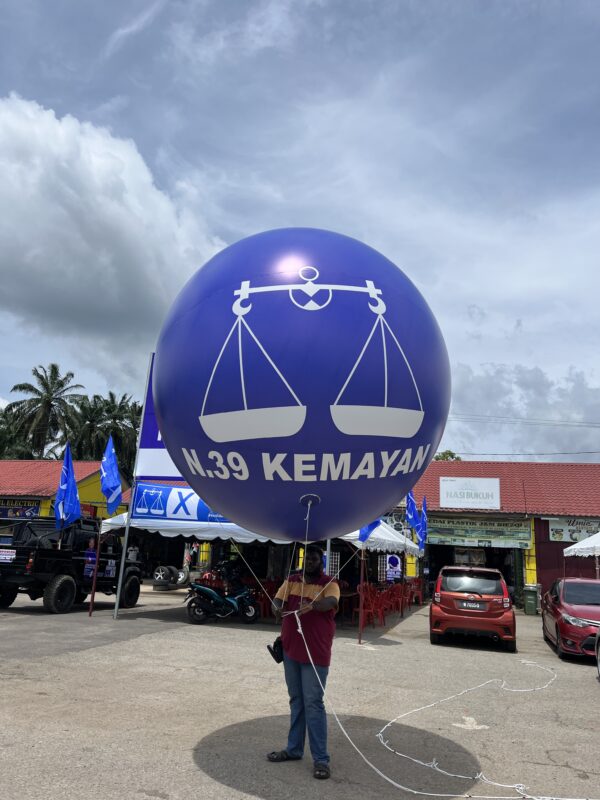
(183, 575)
(544, 634)
(511, 647)
(435, 638)
(174, 574)
(130, 592)
(162, 574)
(598, 656)
(559, 650)
(8, 595)
(161, 586)
(59, 594)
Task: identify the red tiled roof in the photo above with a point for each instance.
(38, 478)
(539, 488)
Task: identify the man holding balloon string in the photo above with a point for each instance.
(293, 352)
(314, 597)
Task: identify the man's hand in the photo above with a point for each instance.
(325, 604)
(277, 606)
(306, 605)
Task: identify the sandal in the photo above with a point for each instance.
(277, 756)
(321, 771)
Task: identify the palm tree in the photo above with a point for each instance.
(97, 418)
(12, 443)
(50, 409)
(88, 428)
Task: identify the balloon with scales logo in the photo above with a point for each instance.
(299, 371)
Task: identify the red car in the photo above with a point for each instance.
(571, 616)
(472, 600)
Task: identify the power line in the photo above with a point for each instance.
(500, 420)
(562, 453)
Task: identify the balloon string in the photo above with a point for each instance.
(307, 518)
(266, 593)
(519, 788)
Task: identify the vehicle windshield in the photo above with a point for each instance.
(39, 535)
(582, 594)
(471, 583)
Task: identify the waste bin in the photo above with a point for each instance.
(530, 598)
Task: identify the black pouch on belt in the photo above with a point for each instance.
(276, 650)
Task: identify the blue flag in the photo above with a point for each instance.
(66, 503)
(412, 515)
(422, 533)
(365, 532)
(110, 480)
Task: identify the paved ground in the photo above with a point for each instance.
(149, 706)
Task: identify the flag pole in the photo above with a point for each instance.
(93, 594)
(131, 498)
(361, 596)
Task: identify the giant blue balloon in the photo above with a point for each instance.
(301, 383)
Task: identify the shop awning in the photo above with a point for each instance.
(383, 538)
(386, 539)
(585, 547)
(203, 531)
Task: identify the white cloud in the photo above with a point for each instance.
(91, 249)
(3, 402)
(526, 411)
(266, 25)
(119, 37)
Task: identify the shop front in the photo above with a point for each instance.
(480, 541)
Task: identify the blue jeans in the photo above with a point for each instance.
(307, 709)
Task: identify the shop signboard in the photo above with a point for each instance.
(156, 501)
(477, 493)
(477, 532)
(11, 507)
(572, 529)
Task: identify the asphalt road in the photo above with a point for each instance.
(149, 706)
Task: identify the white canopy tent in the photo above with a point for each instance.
(586, 548)
(383, 537)
(203, 531)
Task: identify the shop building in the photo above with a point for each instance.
(515, 516)
(28, 488)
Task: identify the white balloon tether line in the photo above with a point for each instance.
(520, 788)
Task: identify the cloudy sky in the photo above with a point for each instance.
(461, 139)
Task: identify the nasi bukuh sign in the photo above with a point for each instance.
(479, 493)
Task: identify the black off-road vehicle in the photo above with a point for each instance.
(41, 561)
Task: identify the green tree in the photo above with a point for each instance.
(446, 455)
(96, 419)
(88, 429)
(45, 415)
(12, 442)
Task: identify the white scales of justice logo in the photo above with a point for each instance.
(281, 421)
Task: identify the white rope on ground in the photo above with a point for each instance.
(520, 788)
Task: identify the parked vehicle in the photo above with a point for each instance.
(41, 561)
(571, 616)
(598, 653)
(210, 602)
(472, 600)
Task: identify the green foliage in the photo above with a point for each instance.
(55, 412)
(446, 455)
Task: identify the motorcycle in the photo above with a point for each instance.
(206, 602)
